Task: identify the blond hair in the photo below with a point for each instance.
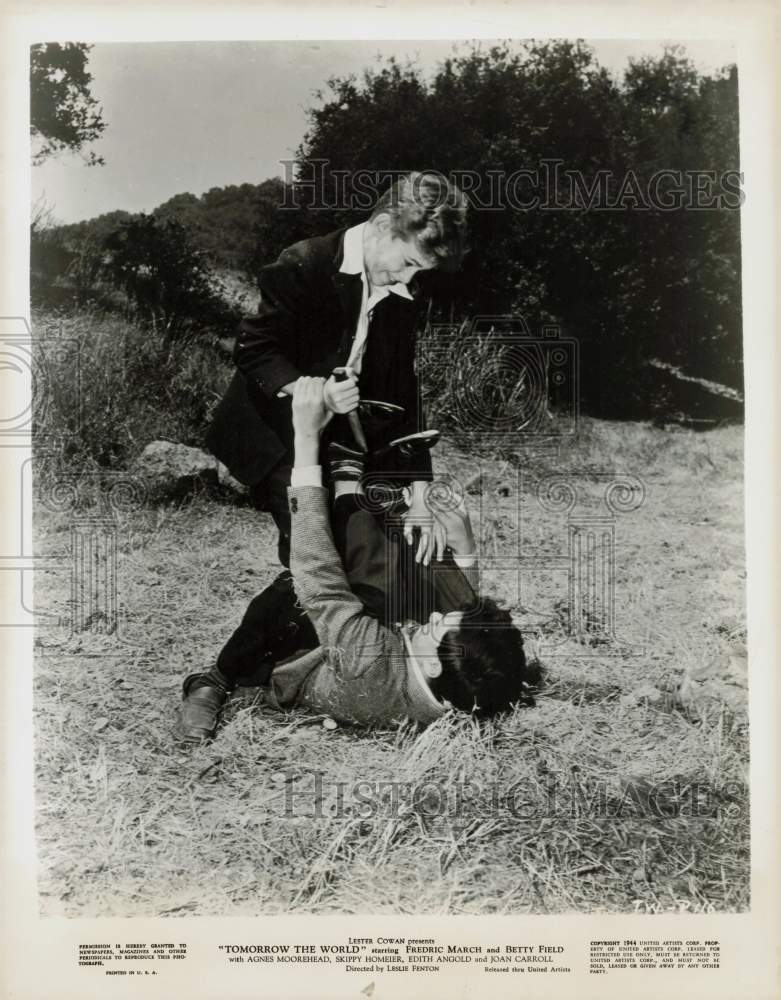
(431, 209)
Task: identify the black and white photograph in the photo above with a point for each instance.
(387, 478)
(388, 420)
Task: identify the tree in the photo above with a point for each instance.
(632, 283)
(239, 227)
(64, 116)
(165, 277)
(685, 266)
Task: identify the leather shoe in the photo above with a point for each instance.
(376, 407)
(203, 698)
(411, 445)
(375, 413)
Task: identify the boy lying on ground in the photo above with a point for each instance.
(467, 656)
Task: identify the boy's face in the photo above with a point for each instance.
(390, 259)
(425, 641)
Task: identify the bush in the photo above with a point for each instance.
(107, 387)
(165, 277)
(144, 267)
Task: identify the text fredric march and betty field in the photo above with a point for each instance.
(399, 954)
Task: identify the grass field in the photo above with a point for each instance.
(623, 789)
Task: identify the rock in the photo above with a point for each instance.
(171, 469)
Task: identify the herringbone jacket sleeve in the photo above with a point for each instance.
(352, 640)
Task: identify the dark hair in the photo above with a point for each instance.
(483, 662)
(432, 210)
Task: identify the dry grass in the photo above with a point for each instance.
(553, 808)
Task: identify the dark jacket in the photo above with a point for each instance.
(305, 326)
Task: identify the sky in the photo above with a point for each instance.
(190, 116)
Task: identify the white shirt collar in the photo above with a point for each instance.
(420, 676)
(353, 263)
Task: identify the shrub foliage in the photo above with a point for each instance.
(636, 284)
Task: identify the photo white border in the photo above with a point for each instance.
(38, 956)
